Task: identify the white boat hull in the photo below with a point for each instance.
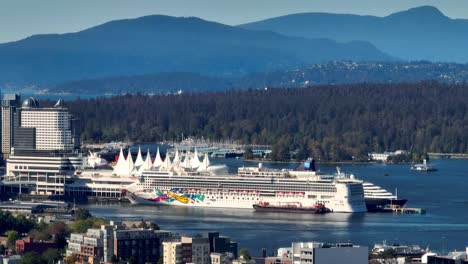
(239, 201)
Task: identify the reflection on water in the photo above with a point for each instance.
(225, 215)
(442, 193)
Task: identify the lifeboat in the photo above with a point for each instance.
(179, 198)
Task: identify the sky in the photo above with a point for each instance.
(22, 18)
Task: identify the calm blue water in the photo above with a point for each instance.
(443, 193)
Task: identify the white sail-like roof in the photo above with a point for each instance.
(186, 162)
(167, 163)
(120, 162)
(139, 160)
(157, 161)
(194, 161)
(204, 164)
(146, 165)
(130, 165)
(124, 166)
(176, 157)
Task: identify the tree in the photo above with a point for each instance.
(72, 258)
(12, 236)
(2, 249)
(51, 256)
(335, 122)
(32, 258)
(82, 214)
(20, 223)
(142, 224)
(245, 254)
(81, 226)
(248, 154)
(39, 234)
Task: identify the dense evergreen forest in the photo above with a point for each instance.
(329, 122)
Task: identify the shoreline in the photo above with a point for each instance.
(318, 162)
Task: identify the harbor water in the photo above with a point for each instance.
(442, 193)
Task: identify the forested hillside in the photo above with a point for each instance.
(327, 122)
(336, 72)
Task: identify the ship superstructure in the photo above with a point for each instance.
(378, 198)
(179, 183)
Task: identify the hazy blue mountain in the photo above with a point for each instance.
(158, 43)
(328, 73)
(415, 34)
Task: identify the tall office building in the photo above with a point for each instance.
(322, 253)
(51, 127)
(45, 152)
(9, 107)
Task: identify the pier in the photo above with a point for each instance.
(404, 210)
(448, 155)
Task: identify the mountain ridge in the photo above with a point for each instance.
(421, 33)
(159, 43)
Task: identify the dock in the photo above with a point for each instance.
(404, 210)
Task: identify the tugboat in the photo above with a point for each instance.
(425, 167)
(291, 208)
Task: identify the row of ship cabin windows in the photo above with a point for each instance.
(253, 187)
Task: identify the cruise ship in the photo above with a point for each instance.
(377, 198)
(189, 182)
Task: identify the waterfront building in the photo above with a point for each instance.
(221, 244)
(88, 247)
(98, 184)
(42, 172)
(284, 252)
(200, 248)
(116, 241)
(176, 252)
(323, 253)
(29, 245)
(276, 260)
(222, 258)
(188, 250)
(141, 245)
(55, 128)
(385, 155)
(9, 107)
(46, 148)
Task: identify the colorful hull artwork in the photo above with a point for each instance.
(174, 195)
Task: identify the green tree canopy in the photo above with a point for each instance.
(82, 214)
(51, 256)
(245, 254)
(12, 236)
(32, 258)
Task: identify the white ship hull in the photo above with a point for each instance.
(338, 208)
(341, 201)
